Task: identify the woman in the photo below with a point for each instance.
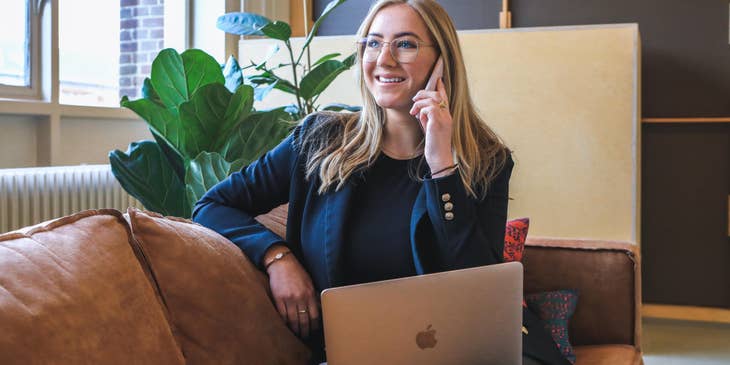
(414, 183)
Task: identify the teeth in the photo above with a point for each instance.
(395, 79)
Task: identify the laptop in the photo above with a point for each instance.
(469, 316)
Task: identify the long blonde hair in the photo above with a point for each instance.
(342, 144)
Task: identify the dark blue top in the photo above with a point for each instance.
(377, 245)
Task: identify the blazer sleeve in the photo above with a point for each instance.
(230, 206)
(468, 231)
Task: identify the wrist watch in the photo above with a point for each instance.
(276, 258)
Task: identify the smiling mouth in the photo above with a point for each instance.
(391, 80)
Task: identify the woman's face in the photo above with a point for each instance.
(393, 84)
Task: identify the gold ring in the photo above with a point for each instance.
(442, 104)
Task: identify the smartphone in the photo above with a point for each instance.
(438, 72)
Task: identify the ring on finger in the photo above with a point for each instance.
(442, 104)
(302, 311)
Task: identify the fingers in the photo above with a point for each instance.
(293, 316)
(423, 94)
(303, 317)
(281, 308)
(417, 106)
(313, 313)
(441, 89)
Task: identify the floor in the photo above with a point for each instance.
(672, 342)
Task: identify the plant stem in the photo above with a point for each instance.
(294, 72)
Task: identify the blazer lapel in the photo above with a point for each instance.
(337, 207)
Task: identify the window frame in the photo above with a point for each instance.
(34, 29)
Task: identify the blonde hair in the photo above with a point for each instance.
(342, 144)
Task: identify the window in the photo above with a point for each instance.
(16, 46)
(89, 52)
(107, 55)
(103, 50)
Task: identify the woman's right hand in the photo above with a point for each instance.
(293, 292)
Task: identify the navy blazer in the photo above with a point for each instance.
(316, 224)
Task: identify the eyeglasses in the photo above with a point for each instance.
(403, 50)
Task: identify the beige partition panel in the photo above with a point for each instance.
(565, 99)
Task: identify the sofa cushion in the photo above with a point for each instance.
(217, 300)
(72, 291)
(555, 309)
(515, 234)
(607, 355)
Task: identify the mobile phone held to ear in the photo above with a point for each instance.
(438, 72)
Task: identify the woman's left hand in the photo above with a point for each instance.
(431, 108)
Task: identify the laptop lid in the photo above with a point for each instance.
(469, 316)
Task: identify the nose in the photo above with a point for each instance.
(385, 58)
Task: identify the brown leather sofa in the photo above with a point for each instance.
(606, 325)
(97, 287)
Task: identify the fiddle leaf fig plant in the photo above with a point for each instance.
(204, 128)
(307, 81)
(202, 118)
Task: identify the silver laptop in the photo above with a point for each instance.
(470, 316)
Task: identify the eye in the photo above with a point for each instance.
(372, 43)
(406, 43)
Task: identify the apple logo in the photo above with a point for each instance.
(426, 339)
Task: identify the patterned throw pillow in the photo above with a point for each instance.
(555, 309)
(515, 234)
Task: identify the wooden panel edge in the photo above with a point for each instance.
(687, 313)
(686, 120)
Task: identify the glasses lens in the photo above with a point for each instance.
(370, 48)
(404, 49)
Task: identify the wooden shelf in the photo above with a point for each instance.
(686, 120)
(687, 313)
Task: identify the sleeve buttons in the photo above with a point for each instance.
(449, 206)
(446, 197)
(449, 216)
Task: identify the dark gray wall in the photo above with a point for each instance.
(685, 47)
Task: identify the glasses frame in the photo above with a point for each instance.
(361, 47)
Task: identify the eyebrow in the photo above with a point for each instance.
(401, 34)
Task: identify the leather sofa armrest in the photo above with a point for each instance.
(608, 277)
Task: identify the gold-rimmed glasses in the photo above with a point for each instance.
(403, 49)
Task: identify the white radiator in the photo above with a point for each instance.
(32, 195)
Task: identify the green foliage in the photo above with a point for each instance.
(307, 82)
(204, 128)
(202, 118)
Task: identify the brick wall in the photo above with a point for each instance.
(141, 38)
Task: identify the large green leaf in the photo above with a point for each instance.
(320, 77)
(210, 117)
(163, 121)
(143, 171)
(177, 77)
(168, 78)
(200, 69)
(148, 92)
(327, 10)
(256, 135)
(206, 170)
(242, 23)
(277, 30)
(177, 163)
